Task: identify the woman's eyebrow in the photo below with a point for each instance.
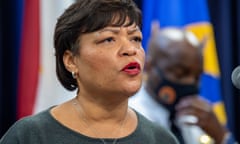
(133, 30)
(117, 30)
(113, 30)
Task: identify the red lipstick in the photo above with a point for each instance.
(132, 68)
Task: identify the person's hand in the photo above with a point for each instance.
(207, 120)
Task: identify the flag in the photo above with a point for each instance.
(193, 16)
(38, 87)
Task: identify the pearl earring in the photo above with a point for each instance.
(74, 75)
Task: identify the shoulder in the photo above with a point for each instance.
(32, 121)
(155, 131)
(26, 127)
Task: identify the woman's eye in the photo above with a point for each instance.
(137, 39)
(107, 40)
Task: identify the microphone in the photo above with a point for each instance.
(236, 77)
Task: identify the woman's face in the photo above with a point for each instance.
(110, 61)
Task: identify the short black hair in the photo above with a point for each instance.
(85, 16)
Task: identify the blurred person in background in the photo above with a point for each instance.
(170, 93)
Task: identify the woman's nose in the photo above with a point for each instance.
(128, 49)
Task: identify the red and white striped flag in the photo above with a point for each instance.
(38, 87)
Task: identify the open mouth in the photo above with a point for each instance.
(132, 68)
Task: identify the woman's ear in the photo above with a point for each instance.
(69, 61)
